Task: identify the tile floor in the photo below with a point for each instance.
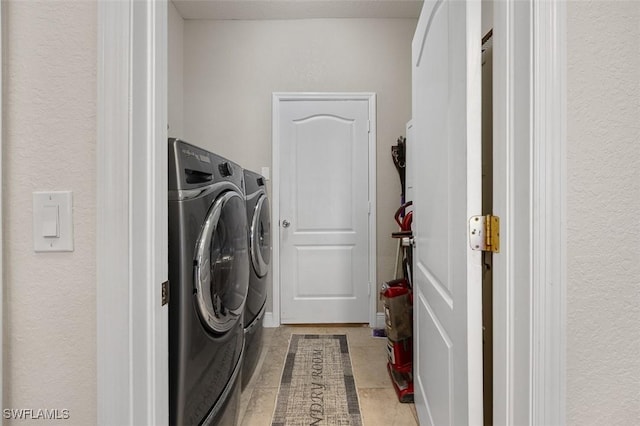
(378, 402)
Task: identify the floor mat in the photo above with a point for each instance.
(317, 386)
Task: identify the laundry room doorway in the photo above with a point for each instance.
(324, 193)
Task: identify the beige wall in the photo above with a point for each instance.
(603, 202)
(175, 41)
(49, 144)
(231, 68)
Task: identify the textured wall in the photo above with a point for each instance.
(232, 67)
(49, 144)
(603, 293)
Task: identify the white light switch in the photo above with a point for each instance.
(53, 221)
(50, 221)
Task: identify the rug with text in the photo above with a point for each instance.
(317, 386)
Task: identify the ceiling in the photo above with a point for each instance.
(297, 9)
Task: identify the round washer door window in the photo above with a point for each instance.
(261, 237)
(222, 263)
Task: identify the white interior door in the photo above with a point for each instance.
(324, 210)
(446, 56)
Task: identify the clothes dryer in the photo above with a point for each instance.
(259, 221)
(209, 275)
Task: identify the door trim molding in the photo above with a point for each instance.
(548, 304)
(277, 98)
(530, 272)
(131, 196)
(509, 47)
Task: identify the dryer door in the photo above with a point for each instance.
(261, 237)
(222, 263)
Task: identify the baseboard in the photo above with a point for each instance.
(269, 322)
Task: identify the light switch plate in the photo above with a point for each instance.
(44, 222)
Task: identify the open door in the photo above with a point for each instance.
(446, 68)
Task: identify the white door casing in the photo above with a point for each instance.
(132, 232)
(446, 73)
(324, 193)
(529, 274)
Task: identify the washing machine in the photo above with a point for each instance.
(259, 220)
(209, 277)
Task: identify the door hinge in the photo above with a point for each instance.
(165, 293)
(484, 233)
(368, 126)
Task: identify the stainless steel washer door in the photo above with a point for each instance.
(261, 237)
(222, 263)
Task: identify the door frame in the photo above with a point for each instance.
(277, 98)
(529, 275)
(121, 365)
(131, 229)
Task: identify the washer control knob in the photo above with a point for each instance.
(285, 223)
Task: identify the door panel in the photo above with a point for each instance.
(323, 157)
(447, 191)
(437, 364)
(324, 195)
(334, 261)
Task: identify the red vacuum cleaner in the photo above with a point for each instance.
(397, 298)
(398, 306)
